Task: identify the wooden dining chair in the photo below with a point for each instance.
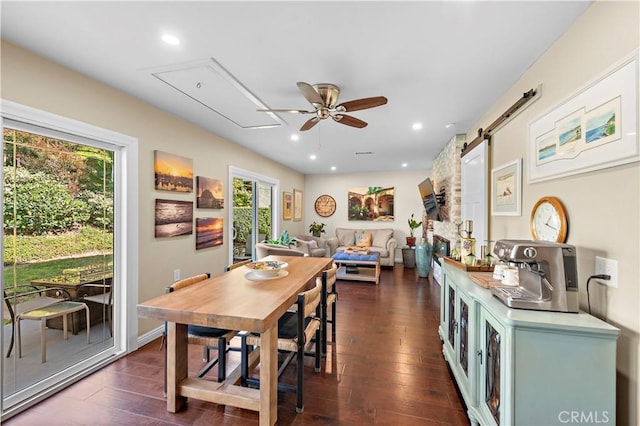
(209, 337)
(297, 332)
(329, 298)
(236, 265)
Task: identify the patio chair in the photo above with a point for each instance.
(20, 300)
(99, 293)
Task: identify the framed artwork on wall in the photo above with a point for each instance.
(209, 193)
(173, 218)
(506, 189)
(209, 232)
(371, 203)
(595, 128)
(297, 205)
(287, 206)
(172, 172)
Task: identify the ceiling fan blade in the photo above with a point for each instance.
(309, 124)
(310, 93)
(363, 103)
(349, 120)
(295, 111)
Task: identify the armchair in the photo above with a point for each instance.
(313, 246)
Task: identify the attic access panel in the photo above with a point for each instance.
(211, 85)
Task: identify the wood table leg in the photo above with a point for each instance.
(177, 365)
(269, 376)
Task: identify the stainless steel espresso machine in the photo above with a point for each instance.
(548, 278)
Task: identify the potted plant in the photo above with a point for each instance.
(411, 240)
(316, 229)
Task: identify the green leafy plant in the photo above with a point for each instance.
(284, 240)
(413, 225)
(316, 229)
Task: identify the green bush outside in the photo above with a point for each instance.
(242, 222)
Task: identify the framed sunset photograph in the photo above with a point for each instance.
(173, 218)
(209, 193)
(209, 232)
(172, 172)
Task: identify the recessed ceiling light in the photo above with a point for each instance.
(416, 126)
(333, 167)
(170, 39)
(312, 157)
(295, 137)
(404, 164)
(448, 126)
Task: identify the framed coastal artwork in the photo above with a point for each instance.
(506, 189)
(173, 218)
(595, 128)
(172, 172)
(209, 193)
(287, 206)
(371, 203)
(209, 232)
(297, 205)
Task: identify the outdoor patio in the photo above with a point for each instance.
(20, 373)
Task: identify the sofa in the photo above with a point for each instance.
(312, 246)
(382, 241)
(266, 249)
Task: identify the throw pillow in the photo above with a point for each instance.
(358, 236)
(346, 237)
(365, 241)
(381, 237)
(312, 244)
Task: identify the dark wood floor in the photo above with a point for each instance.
(386, 369)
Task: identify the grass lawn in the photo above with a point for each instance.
(24, 274)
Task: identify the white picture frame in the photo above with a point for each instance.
(562, 141)
(506, 189)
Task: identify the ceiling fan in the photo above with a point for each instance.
(324, 98)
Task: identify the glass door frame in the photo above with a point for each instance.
(125, 257)
(235, 172)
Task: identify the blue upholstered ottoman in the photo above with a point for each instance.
(349, 266)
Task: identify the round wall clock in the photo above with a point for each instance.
(325, 205)
(549, 220)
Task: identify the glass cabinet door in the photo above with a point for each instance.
(451, 319)
(463, 347)
(492, 377)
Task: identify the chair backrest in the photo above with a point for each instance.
(329, 277)
(236, 265)
(186, 282)
(308, 301)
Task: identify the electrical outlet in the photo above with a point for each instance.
(608, 267)
(176, 275)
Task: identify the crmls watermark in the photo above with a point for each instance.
(584, 417)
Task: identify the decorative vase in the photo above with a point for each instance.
(424, 251)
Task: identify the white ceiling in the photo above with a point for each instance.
(437, 62)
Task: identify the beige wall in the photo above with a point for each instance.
(603, 206)
(406, 200)
(33, 81)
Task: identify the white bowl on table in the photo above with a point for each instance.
(266, 268)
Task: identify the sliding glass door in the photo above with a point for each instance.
(252, 212)
(64, 277)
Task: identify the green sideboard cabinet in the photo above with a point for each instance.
(522, 367)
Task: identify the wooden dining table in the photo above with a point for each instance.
(231, 301)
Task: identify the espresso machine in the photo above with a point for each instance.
(548, 278)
